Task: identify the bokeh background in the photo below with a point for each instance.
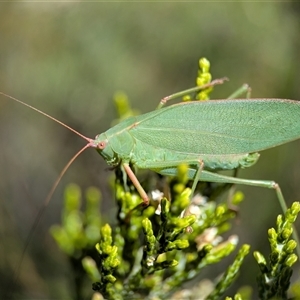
(69, 59)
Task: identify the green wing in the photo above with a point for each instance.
(220, 126)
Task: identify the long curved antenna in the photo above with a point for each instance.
(39, 216)
(48, 116)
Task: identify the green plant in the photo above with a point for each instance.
(154, 252)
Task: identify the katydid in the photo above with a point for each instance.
(206, 135)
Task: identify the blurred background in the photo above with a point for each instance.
(69, 59)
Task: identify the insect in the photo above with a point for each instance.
(206, 135)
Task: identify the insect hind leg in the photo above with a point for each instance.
(164, 100)
(214, 177)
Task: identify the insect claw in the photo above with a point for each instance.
(145, 202)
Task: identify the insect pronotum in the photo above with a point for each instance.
(207, 135)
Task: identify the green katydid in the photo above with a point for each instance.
(207, 135)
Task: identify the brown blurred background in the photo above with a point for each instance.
(69, 59)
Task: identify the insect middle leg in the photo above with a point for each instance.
(161, 166)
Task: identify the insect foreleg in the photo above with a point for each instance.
(156, 166)
(136, 183)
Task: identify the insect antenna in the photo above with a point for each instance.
(50, 194)
(38, 218)
(48, 116)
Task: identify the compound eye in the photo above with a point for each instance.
(102, 145)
